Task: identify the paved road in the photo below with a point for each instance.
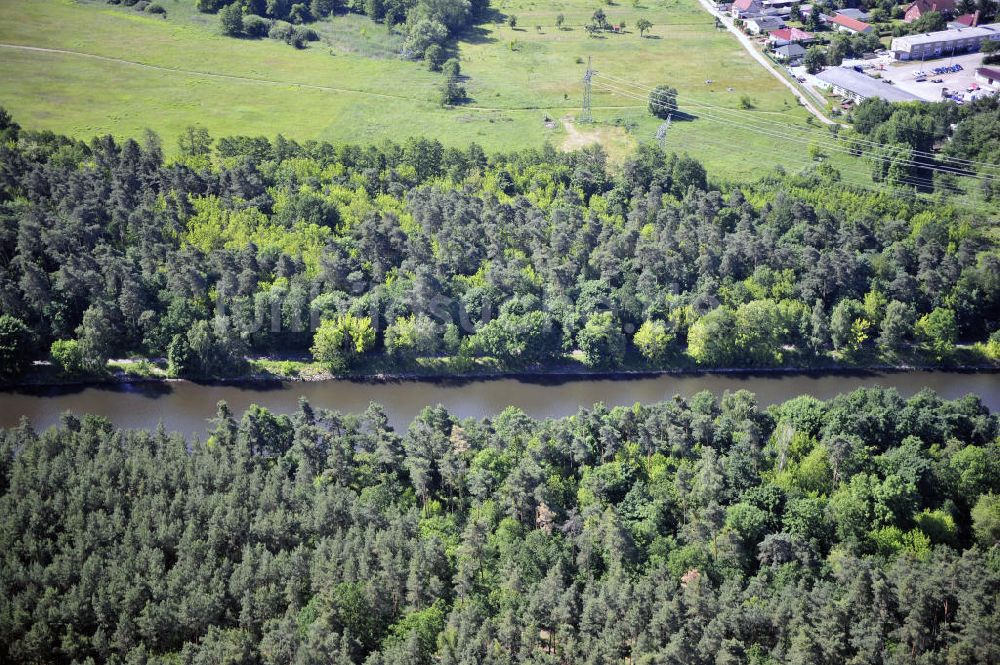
(763, 60)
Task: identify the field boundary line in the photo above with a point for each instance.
(312, 86)
(195, 72)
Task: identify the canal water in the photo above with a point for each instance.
(184, 406)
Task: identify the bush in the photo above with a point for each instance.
(67, 356)
(452, 93)
(231, 19)
(308, 34)
(256, 26)
(301, 36)
(156, 9)
(452, 69)
(140, 6)
(282, 31)
(421, 35)
(434, 57)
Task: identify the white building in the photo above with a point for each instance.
(852, 84)
(763, 24)
(943, 43)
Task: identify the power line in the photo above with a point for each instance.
(835, 147)
(853, 180)
(832, 145)
(808, 130)
(912, 180)
(805, 130)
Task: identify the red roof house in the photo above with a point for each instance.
(918, 8)
(968, 20)
(789, 36)
(747, 8)
(852, 25)
(988, 75)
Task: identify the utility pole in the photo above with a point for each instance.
(586, 115)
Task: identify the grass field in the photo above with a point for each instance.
(167, 74)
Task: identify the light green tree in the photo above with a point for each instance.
(938, 331)
(340, 341)
(986, 519)
(653, 339)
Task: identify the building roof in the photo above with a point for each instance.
(764, 22)
(852, 13)
(850, 23)
(864, 85)
(968, 20)
(791, 35)
(791, 51)
(743, 5)
(992, 31)
(924, 6)
(988, 72)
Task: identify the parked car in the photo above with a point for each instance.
(921, 79)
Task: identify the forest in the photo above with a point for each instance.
(379, 256)
(426, 24)
(705, 530)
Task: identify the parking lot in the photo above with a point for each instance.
(904, 75)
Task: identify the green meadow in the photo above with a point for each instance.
(118, 71)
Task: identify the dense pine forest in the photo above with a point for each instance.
(860, 530)
(388, 254)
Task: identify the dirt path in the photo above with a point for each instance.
(767, 64)
(612, 138)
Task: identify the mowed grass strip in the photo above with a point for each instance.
(516, 78)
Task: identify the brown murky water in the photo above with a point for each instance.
(184, 407)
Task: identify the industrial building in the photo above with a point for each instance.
(943, 43)
(852, 84)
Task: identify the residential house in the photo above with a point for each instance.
(850, 25)
(763, 24)
(988, 76)
(785, 36)
(781, 8)
(918, 8)
(854, 85)
(856, 14)
(790, 53)
(965, 21)
(747, 9)
(943, 43)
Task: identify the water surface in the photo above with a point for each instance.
(184, 406)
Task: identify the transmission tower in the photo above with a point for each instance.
(586, 115)
(661, 133)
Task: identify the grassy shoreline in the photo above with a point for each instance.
(264, 370)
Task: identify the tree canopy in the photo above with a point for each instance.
(699, 530)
